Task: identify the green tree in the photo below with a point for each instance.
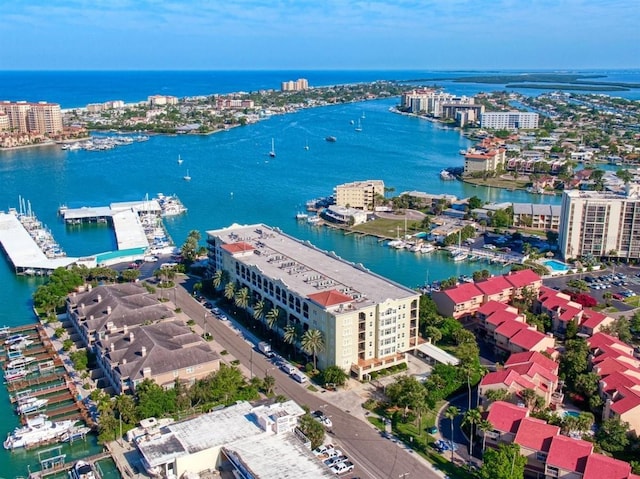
(475, 202)
(434, 333)
(484, 426)
(189, 249)
(125, 406)
(241, 299)
(268, 383)
(497, 395)
(230, 290)
(312, 343)
(406, 392)
(335, 375)
(290, 335)
(451, 413)
(613, 435)
(259, 308)
(574, 361)
(472, 418)
(217, 278)
(130, 275)
(572, 329)
(312, 429)
(506, 462)
(272, 317)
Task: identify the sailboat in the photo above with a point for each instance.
(180, 160)
(359, 127)
(306, 145)
(187, 177)
(272, 153)
(363, 117)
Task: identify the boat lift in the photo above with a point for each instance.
(53, 462)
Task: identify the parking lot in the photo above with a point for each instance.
(622, 281)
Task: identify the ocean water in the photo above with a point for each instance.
(233, 178)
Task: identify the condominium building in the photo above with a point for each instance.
(539, 217)
(360, 195)
(600, 224)
(508, 120)
(25, 117)
(484, 161)
(160, 100)
(433, 102)
(298, 85)
(367, 322)
(4, 121)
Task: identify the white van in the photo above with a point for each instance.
(298, 376)
(287, 368)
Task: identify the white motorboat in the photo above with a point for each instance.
(20, 361)
(31, 404)
(82, 470)
(21, 344)
(13, 374)
(459, 256)
(15, 338)
(38, 430)
(427, 248)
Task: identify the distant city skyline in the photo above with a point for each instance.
(319, 35)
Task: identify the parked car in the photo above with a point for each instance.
(332, 461)
(343, 468)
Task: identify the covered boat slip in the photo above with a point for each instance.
(22, 250)
(96, 214)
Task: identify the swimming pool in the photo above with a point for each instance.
(572, 414)
(555, 265)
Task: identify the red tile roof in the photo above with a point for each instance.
(531, 370)
(491, 307)
(602, 339)
(615, 381)
(506, 417)
(611, 365)
(592, 319)
(330, 298)
(630, 400)
(532, 357)
(239, 247)
(527, 338)
(522, 278)
(510, 328)
(500, 317)
(463, 293)
(507, 378)
(570, 312)
(601, 467)
(495, 285)
(536, 434)
(569, 454)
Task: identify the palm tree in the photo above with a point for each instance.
(472, 417)
(268, 383)
(272, 317)
(241, 299)
(290, 335)
(451, 413)
(312, 342)
(259, 310)
(216, 281)
(230, 290)
(485, 426)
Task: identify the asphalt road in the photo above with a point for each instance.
(374, 456)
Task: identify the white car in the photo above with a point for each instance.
(342, 467)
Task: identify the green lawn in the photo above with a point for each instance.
(633, 301)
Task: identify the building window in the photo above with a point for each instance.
(190, 370)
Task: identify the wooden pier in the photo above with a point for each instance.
(61, 466)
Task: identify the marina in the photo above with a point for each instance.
(102, 143)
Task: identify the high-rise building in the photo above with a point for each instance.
(360, 195)
(367, 322)
(600, 224)
(298, 85)
(508, 120)
(27, 117)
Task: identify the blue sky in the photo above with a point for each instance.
(319, 34)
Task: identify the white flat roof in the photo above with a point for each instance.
(86, 212)
(279, 457)
(129, 230)
(22, 249)
(437, 354)
(306, 269)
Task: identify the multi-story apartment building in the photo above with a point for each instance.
(160, 100)
(433, 102)
(539, 217)
(509, 120)
(484, 161)
(600, 224)
(368, 322)
(4, 121)
(360, 195)
(45, 117)
(298, 85)
(25, 117)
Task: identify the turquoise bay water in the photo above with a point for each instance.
(234, 180)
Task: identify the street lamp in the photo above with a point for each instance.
(204, 325)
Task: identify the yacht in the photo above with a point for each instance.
(31, 404)
(20, 361)
(38, 429)
(21, 344)
(427, 248)
(15, 338)
(14, 374)
(445, 175)
(459, 256)
(331, 139)
(82, 470)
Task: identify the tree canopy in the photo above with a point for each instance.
(506, 462)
